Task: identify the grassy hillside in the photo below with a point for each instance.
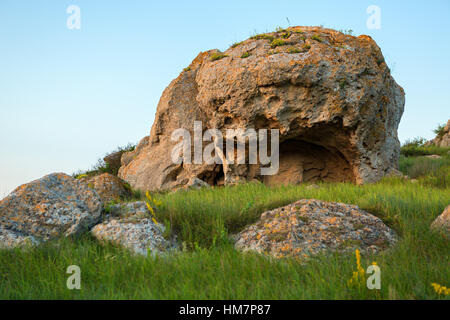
(210, 268)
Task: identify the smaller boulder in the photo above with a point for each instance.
(130, 225)
(108, 187)
(196, 183)
(442, 222)
(309, 227)
(433, 156)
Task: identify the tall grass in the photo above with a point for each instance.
(210, 268)
(429, 172)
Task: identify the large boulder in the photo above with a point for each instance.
(130, 225)
(108, 187)
(330, 95)
(309, 227)
(55, 205)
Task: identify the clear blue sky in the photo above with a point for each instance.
(69, 96)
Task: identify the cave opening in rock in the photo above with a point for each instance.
(214, 177)
(302, 161)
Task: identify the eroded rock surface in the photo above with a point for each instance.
(331, 96)
(55, 205)
(308, 227)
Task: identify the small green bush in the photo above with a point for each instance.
(217, 56)
(294, 50)
(246, 54)
(278, 42)
(263, 37)
(235, 44)
(440, 131)
(316, 37)
(102, 167)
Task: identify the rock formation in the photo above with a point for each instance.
(330, 95)
(309, 227)
(53, 206)
(443, 138)
(108, 187)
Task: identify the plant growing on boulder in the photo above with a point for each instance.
(316, 37)
(218, 56)
(440, 131)
(278, 42)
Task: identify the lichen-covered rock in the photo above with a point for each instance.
(309, 227)
(55, 205)
(442, 222)
(136, 209)
(330, 95)
(12, 239)
(108, 187)
(131, 226)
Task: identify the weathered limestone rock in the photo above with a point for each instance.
(130, 225)
(55, 205)
(331, 96)
(308, 227)
(443, 221)
(108, 187)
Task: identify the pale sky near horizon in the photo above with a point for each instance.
(67, 97)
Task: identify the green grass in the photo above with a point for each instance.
(429, 172)
(246, 54)
(210, 268)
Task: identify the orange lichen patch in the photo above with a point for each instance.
(332, 220)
